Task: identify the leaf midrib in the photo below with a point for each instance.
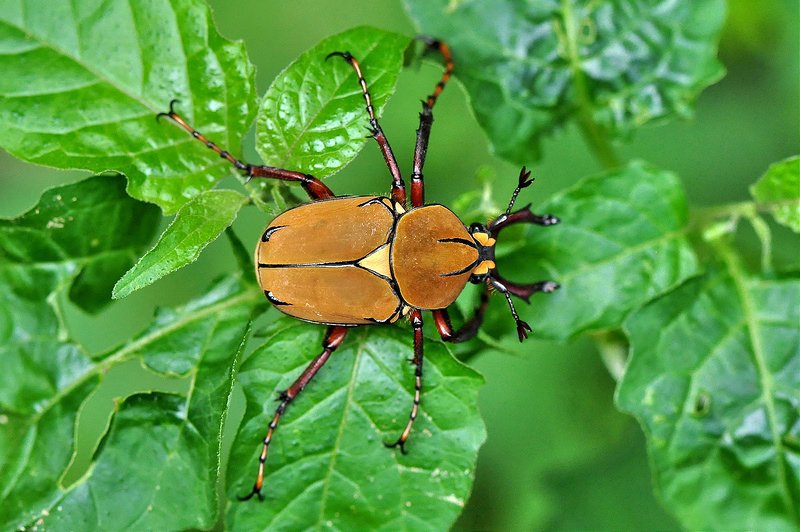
(767, 388)
(302, 133)
(47, 44)
(340, 433)
(136, 345)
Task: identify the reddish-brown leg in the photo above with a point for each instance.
(469, 329)
(416, 322)
(524, 215)
(333, 339)
(315, 188)
(398, 185)
(425, 122)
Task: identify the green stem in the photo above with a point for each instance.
(595, 135)
(613, 349)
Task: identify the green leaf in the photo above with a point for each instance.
(327, 464)
(96, 106)
(313, 118)
(198, 223)
(714, 379)
(530, 67)
(160, 464)
(779, 190)
(84, 235)
(621, 242)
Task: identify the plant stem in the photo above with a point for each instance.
(596, 135)
(613, 351)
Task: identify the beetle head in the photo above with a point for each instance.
(486, 236)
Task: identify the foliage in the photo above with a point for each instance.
(94, 110)
(341, 472)
(712, 373)
(612, 66)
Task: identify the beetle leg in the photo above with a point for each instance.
(398, 185)
(470, 327)
(426, 120)
(523, 215)
(315, 188)
(416, 323)
(333, 339)
(525, 291)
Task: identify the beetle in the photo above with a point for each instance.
(346, 261)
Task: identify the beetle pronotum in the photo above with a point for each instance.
(345, 261)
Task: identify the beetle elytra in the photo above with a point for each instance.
(348, 261)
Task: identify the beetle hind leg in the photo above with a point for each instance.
(416, 323)
(333, 339)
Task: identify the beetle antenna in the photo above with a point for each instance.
(524, 181)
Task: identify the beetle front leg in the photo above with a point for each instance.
(426, 121)
(315, 188)
(333, 339)
(416, 322)
(470, 327)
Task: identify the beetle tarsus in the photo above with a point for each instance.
(171, 112)
(347, 56)
(399, 443)
(524, 174)
(256, 491)
(522, 330)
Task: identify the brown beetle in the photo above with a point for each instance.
(348, 261)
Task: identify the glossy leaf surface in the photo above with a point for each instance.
(327, 465)
(621, 242)
(95, 109)
(198, 223)
(313, 118)
(612, 66)
(714, 379)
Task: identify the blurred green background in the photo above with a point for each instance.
(558, 456)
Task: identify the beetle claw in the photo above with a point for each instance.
(524, 174)
(399, 443)
(255, 491)
(522, 330)
(344, 55)
(171, 111)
